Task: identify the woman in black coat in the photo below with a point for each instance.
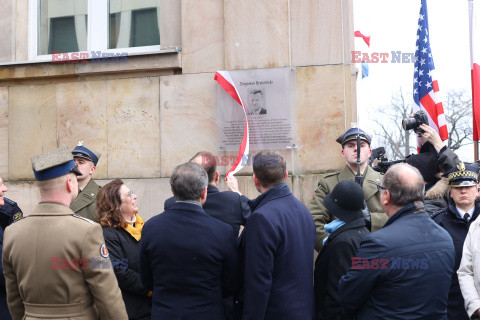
(122, 228)
(335, 258)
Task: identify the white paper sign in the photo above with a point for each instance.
(269, 97)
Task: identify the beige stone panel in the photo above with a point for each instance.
(7, 35)
(306, 186)
(188, 118)
(170, 23)
(256, 34)
(321, 112)
(316, 32)
(32, 71)
(82, 116)
(4, 132)
(26, 195)
(202, 36)
(133, 128)
(21, 30)
(31, 128)
(130, 63)
(151, 194)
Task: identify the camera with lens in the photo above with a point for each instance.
(419, 118)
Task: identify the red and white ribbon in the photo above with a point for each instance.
(225, 81)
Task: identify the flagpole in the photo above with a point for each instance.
(475, 150)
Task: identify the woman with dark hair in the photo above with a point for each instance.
(122, 228)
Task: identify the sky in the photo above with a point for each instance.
(392, 26)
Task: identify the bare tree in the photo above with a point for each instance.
(400, 143)
(389, 131)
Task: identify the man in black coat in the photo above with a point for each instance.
(189, 259)
(227, 206)
(456, 219)
(335, 258)
(402, 271)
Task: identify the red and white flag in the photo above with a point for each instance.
(475, 64)
(225, 81)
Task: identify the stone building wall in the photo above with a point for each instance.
(155, 111)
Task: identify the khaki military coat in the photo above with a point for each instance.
(85, 204)
(327, 182)
(56, 267)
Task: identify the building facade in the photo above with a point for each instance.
(150, 103)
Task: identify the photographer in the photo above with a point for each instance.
(434, 159)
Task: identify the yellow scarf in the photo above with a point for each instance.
(136, 229)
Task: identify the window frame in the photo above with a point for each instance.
(96, 41)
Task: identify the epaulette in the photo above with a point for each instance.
(435, 214)
(330, 174)
(83, 218)
(17, 219)
(11, 202)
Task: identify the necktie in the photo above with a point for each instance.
(466, 217)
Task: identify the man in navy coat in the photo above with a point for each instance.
(404, 270)
(227, 206)
(187, 258)
(278, 246)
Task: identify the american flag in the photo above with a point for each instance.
(424, 87)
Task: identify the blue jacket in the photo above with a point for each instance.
(458, 229)
(226, 206)
(402, 271)
(278, 245)
(189, 260)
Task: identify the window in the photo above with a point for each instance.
(117, 26)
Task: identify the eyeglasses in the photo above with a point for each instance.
(129, 194)
(380, 187)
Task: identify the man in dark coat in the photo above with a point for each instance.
(278, 246)
(227, 206)
(189, 259)
(404, 270)
(335, 257)
(456, 219)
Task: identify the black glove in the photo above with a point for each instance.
(366, 216)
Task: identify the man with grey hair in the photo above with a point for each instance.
(402, 271)
(187, 258)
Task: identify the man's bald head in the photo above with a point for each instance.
(404, 183)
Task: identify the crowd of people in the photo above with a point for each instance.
(399, 245)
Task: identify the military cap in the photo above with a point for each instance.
(462, 176)
(54, 164)
(351, 134)
(82, 151)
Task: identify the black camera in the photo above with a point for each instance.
(419, 118)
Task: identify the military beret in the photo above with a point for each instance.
(351, 134)
(82, 151)
(54, 164)
(462, 176)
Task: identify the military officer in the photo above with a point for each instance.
(9, 212)
(328, 181)
(55, 262)
(86, 159)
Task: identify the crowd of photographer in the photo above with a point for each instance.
(395, 240)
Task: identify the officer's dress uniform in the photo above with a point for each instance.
(328, 181)
(9, 213)
(56, 264)
(85, 203)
